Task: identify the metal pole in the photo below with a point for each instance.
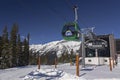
(76, 15)
(83, 51)
(96, 54)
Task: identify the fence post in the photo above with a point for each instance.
(110, 64)
(77, 64)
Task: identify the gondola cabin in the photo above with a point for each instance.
(71, 32)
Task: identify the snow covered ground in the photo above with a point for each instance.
(62, 72)
(15, 73)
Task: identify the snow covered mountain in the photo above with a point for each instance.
(58, 46)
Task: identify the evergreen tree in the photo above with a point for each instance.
(33, 57)
(5, 35)
(13, 39)
(0, 50)
(19, 51)
(25, 52)
(13, 52)
(71, 55)
(28, 55)
(4, 49)
(0, 45)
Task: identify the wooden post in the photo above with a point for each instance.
(113, 64)
(77, 65)
(55, 63)
(110, 64)
(70, 62)
(38, 62)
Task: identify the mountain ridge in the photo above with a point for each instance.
(58, 46)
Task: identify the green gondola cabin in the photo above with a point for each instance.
(71, 31)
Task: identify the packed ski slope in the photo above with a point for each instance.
(15, 73)
(62, 72)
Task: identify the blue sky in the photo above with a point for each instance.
(44, 19)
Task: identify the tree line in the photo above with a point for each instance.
(14, 51)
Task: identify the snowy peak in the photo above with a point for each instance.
(58, 46)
